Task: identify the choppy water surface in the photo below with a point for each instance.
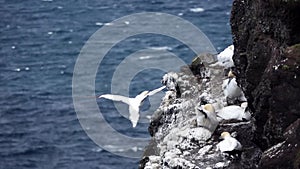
(40, 42)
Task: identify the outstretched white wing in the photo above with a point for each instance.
(133, 106)
(133, 103)
(116, 98)
(142, 96)
(156, 91)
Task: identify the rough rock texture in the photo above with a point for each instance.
(177, 139)
(266, 35)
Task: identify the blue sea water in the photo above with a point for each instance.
(40, 42)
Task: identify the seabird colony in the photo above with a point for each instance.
(232, 106)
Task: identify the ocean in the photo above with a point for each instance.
(40, 44)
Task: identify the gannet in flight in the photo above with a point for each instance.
(231, 89)
(234, 112)
(134, 103)
(207, 117)
(228, 143)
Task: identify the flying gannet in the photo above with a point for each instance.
(134, 103)
(234, 112)
(228, 144)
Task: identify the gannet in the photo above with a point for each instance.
(134, 103)
(228, 143)
(231, 90)
(225, 57)
(207, 117)
(234, 112)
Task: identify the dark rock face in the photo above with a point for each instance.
(286, 151)
(266, 35)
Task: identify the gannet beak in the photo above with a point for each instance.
(230, 74)
(145, 93)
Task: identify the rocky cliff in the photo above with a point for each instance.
(266, 36)
(180, 140)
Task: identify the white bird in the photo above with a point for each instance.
(225, 57)
(231, 89)
(207, 117)
(234, 112)
(228, 143)
(134, 103)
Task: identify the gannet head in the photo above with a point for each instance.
(140, 97)
(209, 108)
(225, 134)
(206, 109)
(230, 74)
(244, 105)
(144, 93)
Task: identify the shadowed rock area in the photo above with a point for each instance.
(266, 37)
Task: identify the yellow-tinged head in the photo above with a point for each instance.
(230, 74)
(144, 93)
(225, 134)
(209, 108)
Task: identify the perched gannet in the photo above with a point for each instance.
(234, 112)
(207, 117)
(231, 90)
(225, 57)
(228, 144)
(134, 103)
